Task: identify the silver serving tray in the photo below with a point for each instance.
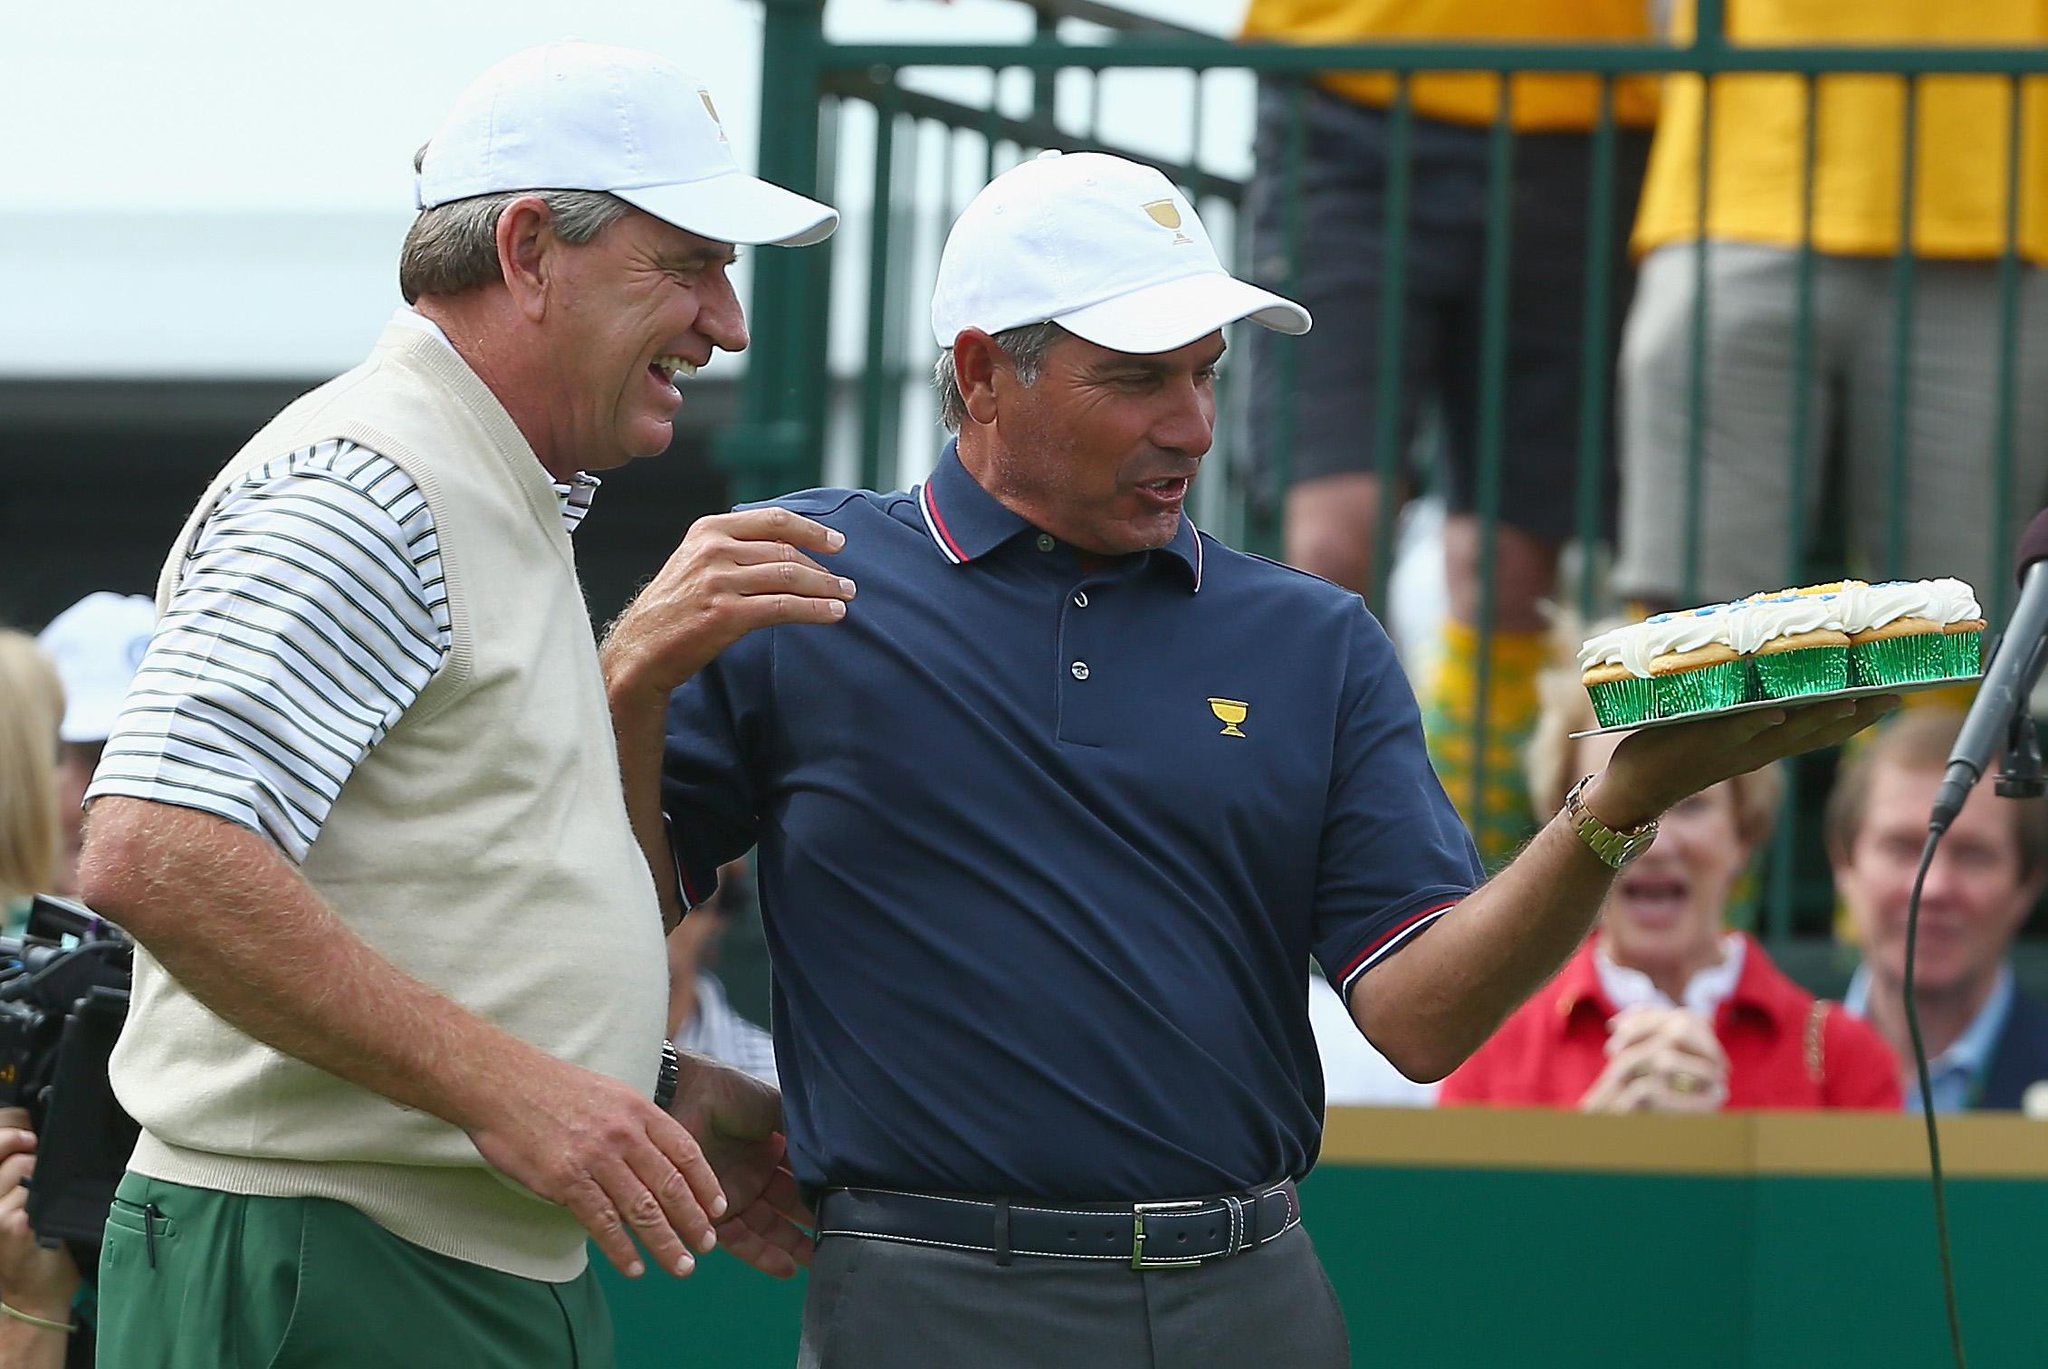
(1802, 701)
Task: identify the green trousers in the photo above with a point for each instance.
(192, 1278)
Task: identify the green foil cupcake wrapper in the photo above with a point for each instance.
(1792, 674)
(1617, 703)
(1696, 691)
(1918, 658)
(1965, 651)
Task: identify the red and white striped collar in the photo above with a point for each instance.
(966, 522)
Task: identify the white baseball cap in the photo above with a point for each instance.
(1104, 247)
(97, 644)
(580, 116)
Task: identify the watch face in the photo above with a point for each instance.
(1633, 846)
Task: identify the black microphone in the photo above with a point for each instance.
(2007, 680)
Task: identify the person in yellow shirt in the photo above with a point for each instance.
(1322, 402)
(1756, 224)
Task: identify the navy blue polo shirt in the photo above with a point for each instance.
(1044, 851)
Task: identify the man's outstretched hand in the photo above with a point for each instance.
(1652, 770)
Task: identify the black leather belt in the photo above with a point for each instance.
(1154, 1235)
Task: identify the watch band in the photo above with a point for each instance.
(670, 1078)
(1614, 848)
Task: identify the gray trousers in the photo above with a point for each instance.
(877, 1304)
(1746, 510)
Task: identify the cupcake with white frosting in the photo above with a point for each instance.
(1796, 643)
(1912, 631)
(1692, 664)
(1789, 644)
(1615, 668)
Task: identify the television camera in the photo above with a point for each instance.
(63, 997)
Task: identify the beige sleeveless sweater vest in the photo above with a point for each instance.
(483, 847)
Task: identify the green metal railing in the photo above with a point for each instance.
(814, 91)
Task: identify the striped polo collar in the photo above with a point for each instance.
(966, 522)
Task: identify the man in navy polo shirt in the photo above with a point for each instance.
(1051, 822)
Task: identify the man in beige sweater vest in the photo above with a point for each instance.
(396, 1038)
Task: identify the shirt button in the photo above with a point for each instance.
(1080, 669)
(1081, 599)
(1045, 542)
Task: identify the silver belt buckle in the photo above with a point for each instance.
(1138, 1211)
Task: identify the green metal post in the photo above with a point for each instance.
(1710, 29)
(2008, 355)
(1786, 839)
(1267, 535)
(1696, 369)
(778, 440)
(1786, 846)
(904, 303)
(1595, 423)
(1045, 83)
(1801, 453)
(1389, 432)
(1903, 284)
(875, 393)
(1493, 349)
(989, 168)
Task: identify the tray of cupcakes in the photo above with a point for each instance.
(1796, 646)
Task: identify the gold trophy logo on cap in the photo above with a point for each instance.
(1166, 214)
(1230, 712)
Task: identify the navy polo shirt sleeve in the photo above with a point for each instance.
(1394, 856)
(715, 733)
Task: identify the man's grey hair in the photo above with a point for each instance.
(1027, 348)
(453, 247)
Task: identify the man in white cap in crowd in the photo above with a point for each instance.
(396, 1040)
(1051, 823)
(97, 644)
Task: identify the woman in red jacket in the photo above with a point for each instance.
(1664, 1009)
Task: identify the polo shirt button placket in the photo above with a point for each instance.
(1081, 598)
(1046, 542)
(1080, 669)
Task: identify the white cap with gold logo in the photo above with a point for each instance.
(1104, 247)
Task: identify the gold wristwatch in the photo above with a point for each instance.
(1614, 848)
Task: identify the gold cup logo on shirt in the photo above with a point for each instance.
(1166, 214)
(1230, 712)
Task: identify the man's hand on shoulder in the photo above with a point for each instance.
(737, 1120)
(733, 573)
